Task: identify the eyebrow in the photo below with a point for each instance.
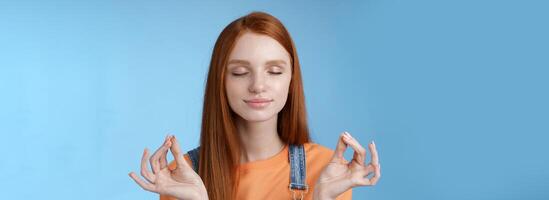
(245, 62)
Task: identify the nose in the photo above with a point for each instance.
(258, 83)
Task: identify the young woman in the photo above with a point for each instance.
(254, 142)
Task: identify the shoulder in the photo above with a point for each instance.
(317, 155)
(317, 150)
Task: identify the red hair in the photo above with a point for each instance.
(219, 141)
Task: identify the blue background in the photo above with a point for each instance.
(454, 93)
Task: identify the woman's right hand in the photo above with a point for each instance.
(182, 182)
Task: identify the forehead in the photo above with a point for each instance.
(258, 48)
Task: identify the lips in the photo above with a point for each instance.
(258, 100)
(258, 103)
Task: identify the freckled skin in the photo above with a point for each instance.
(258, 78)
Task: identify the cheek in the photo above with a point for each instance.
(282, 88)
(233, 89)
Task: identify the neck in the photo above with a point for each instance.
(259, 140)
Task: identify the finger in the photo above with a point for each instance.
(375, 158)
(375, 164)
(341, 146)
(140, 182)
(374, 167)
(178, 156)
(360, 152)
(144, 168)
(369, 169)
(377, 174)
(364, 173)
(155, 158)
(163, 157)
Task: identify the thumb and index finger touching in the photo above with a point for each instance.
(177, 154)
(345, 139)
(340, 147)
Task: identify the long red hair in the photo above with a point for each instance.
(219, 141)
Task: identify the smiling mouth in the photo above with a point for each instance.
(258, 104)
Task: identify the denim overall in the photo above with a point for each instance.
(297, 169)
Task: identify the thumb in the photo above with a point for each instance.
(176, 151)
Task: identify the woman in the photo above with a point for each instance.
(254, 142)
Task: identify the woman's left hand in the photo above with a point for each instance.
(340, 175)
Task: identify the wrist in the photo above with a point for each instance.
(319, 193)
(202, 194)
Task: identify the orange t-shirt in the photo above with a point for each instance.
(269, 178)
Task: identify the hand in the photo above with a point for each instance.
(182, 182)
(340, 175)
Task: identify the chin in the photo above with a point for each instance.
(258, 117)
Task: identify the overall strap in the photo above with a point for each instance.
(194, 154)
(297, 170)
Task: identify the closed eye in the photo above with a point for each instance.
(244, 73)
(240, 74)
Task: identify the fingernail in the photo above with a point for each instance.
(373, 142)
(349, 134)
(346, 135)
